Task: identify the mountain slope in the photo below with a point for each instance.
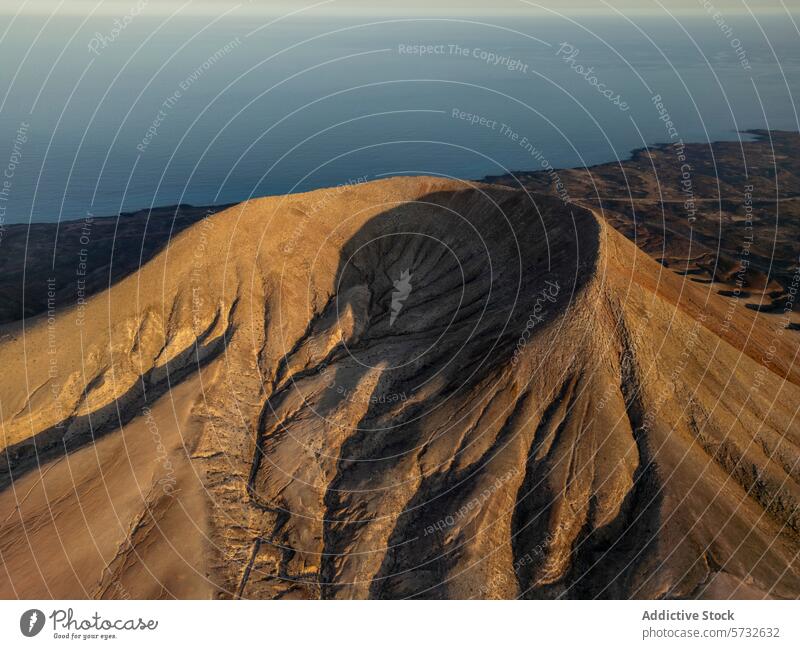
(410, 388)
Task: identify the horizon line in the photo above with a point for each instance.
(424, 14)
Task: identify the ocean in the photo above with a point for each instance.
(107, 114)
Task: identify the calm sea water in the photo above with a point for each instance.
(215, 110)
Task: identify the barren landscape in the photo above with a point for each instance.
(416, 388)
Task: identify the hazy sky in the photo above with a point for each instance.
(391, 7)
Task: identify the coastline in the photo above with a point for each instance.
(758, 135)
(76, 258)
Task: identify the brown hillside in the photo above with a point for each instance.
(273, 407)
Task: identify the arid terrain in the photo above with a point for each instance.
(728, 212)
(421, 388)
(82, 256)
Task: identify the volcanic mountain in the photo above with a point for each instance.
(408, 388)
